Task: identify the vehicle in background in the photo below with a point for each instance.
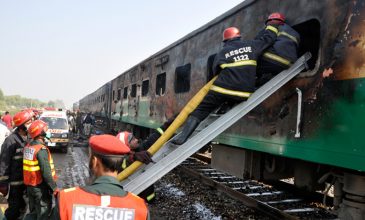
(59, 128)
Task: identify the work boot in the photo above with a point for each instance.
(190, 125)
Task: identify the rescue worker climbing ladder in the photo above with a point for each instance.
(282, 54)
(235, 65)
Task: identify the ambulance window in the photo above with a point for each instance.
(182, 78)
(210, 61)
(134, 90)
(119, 93)
(145, 87)
(160, 84)
(125, 92)
(309, 39)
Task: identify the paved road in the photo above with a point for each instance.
(72, 167)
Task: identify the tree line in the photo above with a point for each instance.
(15, 103)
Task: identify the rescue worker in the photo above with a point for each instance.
(39, 172)
(11, 166)
(282, 54)
(105, 197)
(235, 65)
(139, 152)
(132, 143)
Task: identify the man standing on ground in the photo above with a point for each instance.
(8, 120)
(11, 166)
(39, 172)
(105, 197)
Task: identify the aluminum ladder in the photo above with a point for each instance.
(170, 156)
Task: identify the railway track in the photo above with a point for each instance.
(276, 203)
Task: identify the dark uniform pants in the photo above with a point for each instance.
(16, 203)
(40, 202)
(267, 70)
(212, 101)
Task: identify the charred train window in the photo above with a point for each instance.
(182, 78)
(134, 90)
(161, 84)
(210, 61)
(125, 92)
(119, 94)
(309, 39)
(145, 87)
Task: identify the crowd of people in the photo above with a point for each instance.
(26, 164)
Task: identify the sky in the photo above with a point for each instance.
(67, 49)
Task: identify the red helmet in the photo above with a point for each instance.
(36, 128)
(31, 112)
(21, 117)
(231, 32)
(276, 16)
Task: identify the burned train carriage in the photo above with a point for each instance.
(268, 143)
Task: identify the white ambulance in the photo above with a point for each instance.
(59, 128)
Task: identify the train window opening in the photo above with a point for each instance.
(161, 84)
(182, 78)
(210, 61)
(145, 87)
(125, 92)
(119, 94)
(309, 40)
(134, 90)
(113, 94)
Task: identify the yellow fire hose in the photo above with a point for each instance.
(180, 119)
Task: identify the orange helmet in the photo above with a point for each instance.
(231, 32)
(37, 128)
(21, 117)
(276, 16)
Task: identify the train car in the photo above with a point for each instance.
(326, 147)
(98, 104)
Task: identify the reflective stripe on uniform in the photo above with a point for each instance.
(230, 92)
(239, 63)
(16, 183)
(151, 196)
(277, 58)
(291, 37)
(35, 168)
(272, 28)
(30, 162)
(159, 130)
(4, 178)
(124, 164)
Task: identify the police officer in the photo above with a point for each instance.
(39, 172)
(11, 166)
(105, 198)
(236, 65)
(281, 54)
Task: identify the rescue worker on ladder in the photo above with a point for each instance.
(139, 152)
(105, 198)
(282, 54)
(11, 166)
(236, 65)
(39, 172)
